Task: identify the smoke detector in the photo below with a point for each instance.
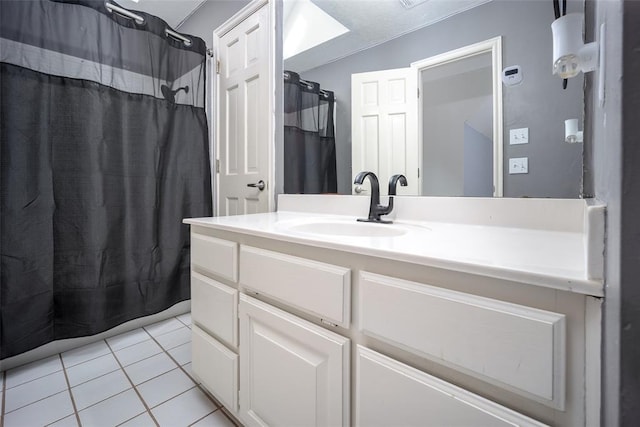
(408, 4)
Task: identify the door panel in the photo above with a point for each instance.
(385, 127)
(293, 372)
(244, 112)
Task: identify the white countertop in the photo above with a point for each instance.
(550, 258)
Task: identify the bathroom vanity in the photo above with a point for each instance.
(462, 312)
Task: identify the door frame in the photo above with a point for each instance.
(494, 47)
(276, 86)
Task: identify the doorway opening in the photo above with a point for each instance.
(460, 121)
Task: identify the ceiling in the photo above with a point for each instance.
(370, 22)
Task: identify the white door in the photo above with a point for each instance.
(384, 127)
(244, 138)
(293, 373)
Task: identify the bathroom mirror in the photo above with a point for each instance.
(374, 35)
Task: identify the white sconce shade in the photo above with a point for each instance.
(570, 54)
(571, 132)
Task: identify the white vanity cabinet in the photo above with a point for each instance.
(269, 367)
(288, 334)
(214, 312)
(293, 373)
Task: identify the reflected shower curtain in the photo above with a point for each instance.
(104, 150)
(309, 141)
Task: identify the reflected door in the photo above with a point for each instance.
(384, 135)
(243, 136)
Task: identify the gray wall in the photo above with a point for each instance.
(210, 16)
(539, 103)
(612, 155)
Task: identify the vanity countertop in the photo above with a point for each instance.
(553, 257)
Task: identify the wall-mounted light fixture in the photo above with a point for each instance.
(571, 132)
(570, 54)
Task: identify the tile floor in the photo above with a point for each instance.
(140, 378)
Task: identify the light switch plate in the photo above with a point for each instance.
(518, 165)
(518, 136)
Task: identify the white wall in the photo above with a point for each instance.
(447, 104)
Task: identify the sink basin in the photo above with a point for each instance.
(347, 229)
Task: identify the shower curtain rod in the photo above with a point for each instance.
(140, 20)
(169, 32)
(309, 85)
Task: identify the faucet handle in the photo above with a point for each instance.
(393, 183)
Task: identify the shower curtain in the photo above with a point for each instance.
(104, 150)
(309, 141)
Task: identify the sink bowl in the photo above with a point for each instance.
(347, 229)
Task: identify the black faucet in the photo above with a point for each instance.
(375, 208)
(393, 183)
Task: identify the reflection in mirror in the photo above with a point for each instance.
(383, 35)
(457, 128)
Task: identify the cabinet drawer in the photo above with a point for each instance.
(320, 289)
(214, 307)
(216, 366)
(215, 256)
(419, 399)
(519, 348)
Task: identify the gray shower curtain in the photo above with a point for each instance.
(104, 150)
(309, 140)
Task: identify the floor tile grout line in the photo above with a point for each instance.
(108, 397)
(35, 401)
(38, 400)
(194, 380)
(135, 416)
(164, 333)
(202, 418)
(60, 370)
(182, 321)
(172, 397)
(159, 375)
(73, 401)
(141, 360)
(230, 417)
(84, 361)
(198, 385)
(202, 389)
(130, 345)
(121, 367)
(35, 379)
(144, 403)
(94, 378)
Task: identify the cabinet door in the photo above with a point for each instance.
(419, 399)
(292, 373)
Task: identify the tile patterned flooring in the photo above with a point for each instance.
(139, 378)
